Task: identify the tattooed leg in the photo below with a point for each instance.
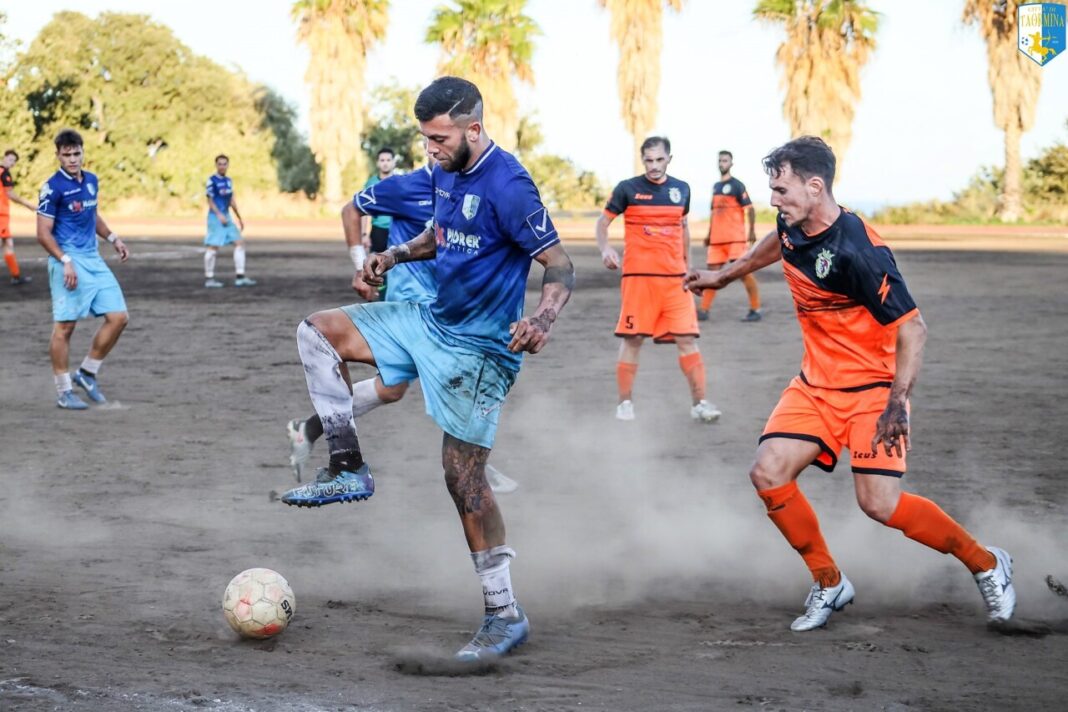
(465, 476)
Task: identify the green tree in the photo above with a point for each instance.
(827, 44)
(338, 34)
(390, 123)
(563, 185)
(153, 114)
(488, 42)
(638, 30)
(294, 161)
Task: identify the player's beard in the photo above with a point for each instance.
(458, 160)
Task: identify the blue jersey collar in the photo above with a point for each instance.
(73, 178)
(481, 159)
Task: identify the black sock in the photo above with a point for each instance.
(350, 461)
(313, 428)
(241, 275)
(86, 373)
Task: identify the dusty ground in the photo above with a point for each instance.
(651, 575)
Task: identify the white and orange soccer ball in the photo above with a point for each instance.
(258, 603)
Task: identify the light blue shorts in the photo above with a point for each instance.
(463, 389)
(220, 235)
(97, 292)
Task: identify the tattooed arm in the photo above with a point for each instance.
(532, 333)
(420, 247)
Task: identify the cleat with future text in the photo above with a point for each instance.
(89, 385)
(753, 316)
(496, 637)
(328, 488)
(996, 587)
(212, 283)
(625, 411)
(69, 401)
(299, 447)
(705, 412)
(822, 602)
(244, 282)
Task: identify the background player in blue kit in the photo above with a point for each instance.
(81, 283)
(465, 347)
(221, 228)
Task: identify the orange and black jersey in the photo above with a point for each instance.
(653, 215)
(729, 201)
(6, 181)
(850, 299)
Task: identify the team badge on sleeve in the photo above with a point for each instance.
(823, 263)
(539, 222)
(46, 190)
(92, 188)
(470, 206)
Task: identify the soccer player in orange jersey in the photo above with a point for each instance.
(863, 338)
(727, 237)
(8, 196)
(656, 257)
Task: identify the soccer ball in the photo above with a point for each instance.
(258, 603)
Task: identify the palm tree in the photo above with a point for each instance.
(827, 44)
(1015, 82)
(637, 28)
(488, 42)
(338, 34)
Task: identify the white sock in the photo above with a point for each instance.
(492, 567)
(365, 397)
(239, 261)
(209, 264)
(62, 383)
(329, 392)
(358, 255)
(92, 365)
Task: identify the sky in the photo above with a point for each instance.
(924, 124)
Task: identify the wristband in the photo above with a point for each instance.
(65, 259)
(112, 237)
(358, 256)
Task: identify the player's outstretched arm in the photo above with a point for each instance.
(351, 223)
(103, 231)
(608, 253)
(532, 333)
(892, 428)
(420, 247)
(16, 198)
(761, 255)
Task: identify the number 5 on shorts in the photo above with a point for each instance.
(628, 321)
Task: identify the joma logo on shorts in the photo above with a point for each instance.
(455, 238)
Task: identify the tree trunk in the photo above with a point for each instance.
(639, 167)
(332, 181)
(1011, 203)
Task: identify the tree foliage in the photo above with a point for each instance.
(153, 114)
(294, 161)
(563, 185)
(391, 123)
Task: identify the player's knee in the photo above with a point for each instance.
(768, 472)
(119, 319)
(876, 505)
(391, 394)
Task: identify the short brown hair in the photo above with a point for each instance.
(68, 137)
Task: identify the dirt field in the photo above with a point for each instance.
(652, 577)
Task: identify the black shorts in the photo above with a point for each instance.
(379, 239)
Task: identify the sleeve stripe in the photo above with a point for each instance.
(904, 317)
(542, 248)
(41, 212)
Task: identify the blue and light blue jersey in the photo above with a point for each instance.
(72, 205)
(489, 223)
(407, 200)
(220, 190)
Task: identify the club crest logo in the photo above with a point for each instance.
(675, 195)
(726, 188)
(1040, 31)
(91, 188)
(470, 206)
(823, 263)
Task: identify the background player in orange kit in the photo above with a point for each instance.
(656, 257)
(863, 338)
(727, 239)
(7, 196)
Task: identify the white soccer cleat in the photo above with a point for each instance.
(299, 447)
(498, 482)
(212, 283)
(821, 603)
(996, 587)
(705, 412)
(625, 411)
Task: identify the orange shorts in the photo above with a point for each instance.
(833, 419)
(725, 252)
(657, 307)
(5, 227)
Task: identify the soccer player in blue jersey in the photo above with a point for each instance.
(221, 228)
(466, 346)
(68, 225)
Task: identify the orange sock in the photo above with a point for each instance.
(12, 264)
(625, 373)
(752, 290)
(793, 515)
(693, 367)
(922, 520)
(706, 299)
